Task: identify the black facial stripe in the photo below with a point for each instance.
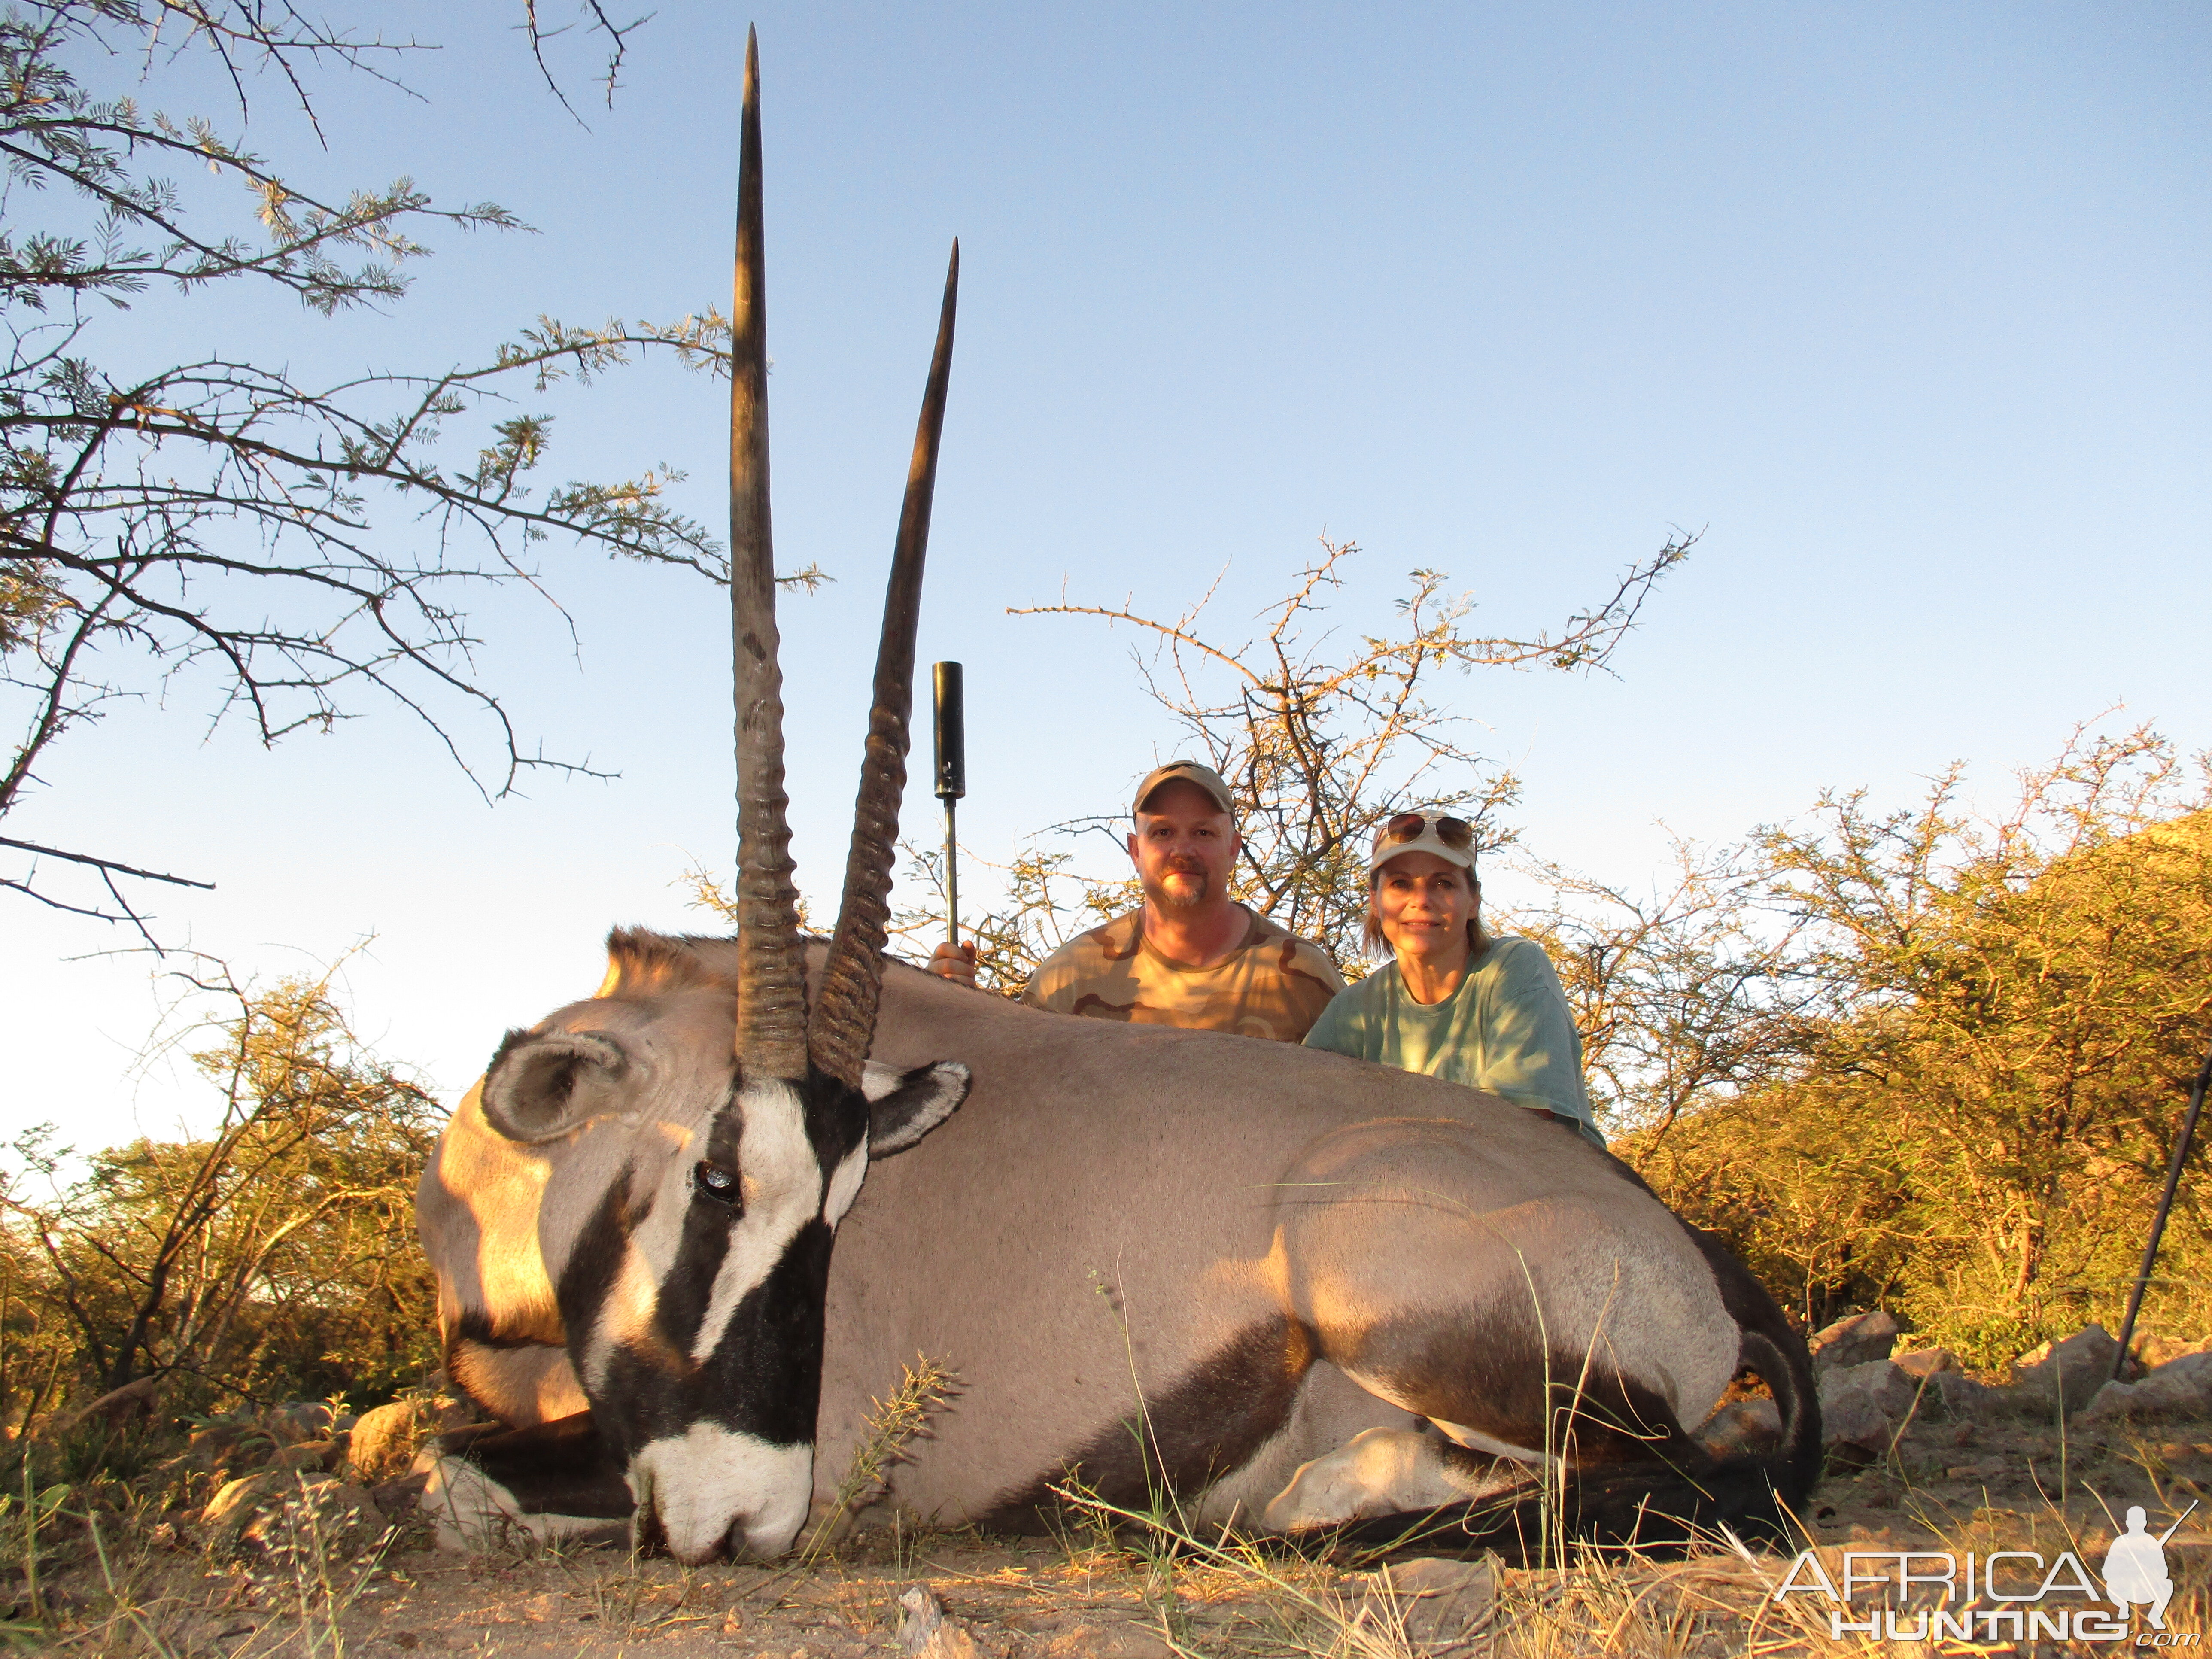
(836, 1118)
(769, 1364)
(690, 1284)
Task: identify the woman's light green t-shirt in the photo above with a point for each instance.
(1505, 1030)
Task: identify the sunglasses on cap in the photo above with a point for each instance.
(1408, 826)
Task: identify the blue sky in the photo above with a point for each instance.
(1904, 306)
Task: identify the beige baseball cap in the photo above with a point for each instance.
(1185, 771)
(1451, 839)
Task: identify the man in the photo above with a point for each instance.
(1192, 956)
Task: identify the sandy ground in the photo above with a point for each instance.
(168, 1591)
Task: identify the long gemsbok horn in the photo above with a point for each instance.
(845, 1008)
(774, 1037)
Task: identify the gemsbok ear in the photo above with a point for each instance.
(542, 1085)
(904, 1106)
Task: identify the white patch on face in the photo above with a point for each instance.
(782, 1192)
(712, 1478)
(845, 1185)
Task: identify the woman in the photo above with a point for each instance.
(1454, 1002)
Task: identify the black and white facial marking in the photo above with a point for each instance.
(694, 1289)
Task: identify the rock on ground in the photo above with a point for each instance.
(1752, 1425)
(1858, 1340)
(2068, 1372)
(1862, 1405)
(927, 1631)
(385, 1439)
(2153, 1351)
(236, 1502)
(1963, 1400)
(1928, 1362)
(2179, 1390)
(256, 1509)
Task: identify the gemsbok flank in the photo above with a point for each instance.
(1289, 1289)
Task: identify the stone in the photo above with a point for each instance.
(1752, 1425)
(1960, 1398)
(1858, 1340)
(2153, 1351)
(385, 1439)
(399, 1496)
(1437, 1602)
(1891, 1388)
(251, 1450)
(2179, 1390)
(1863, 1407)
(1856, 1428)
(1927, 1362)
(318, 1456)
(210, 1446)
(340, 1513)
(2115, 1403)
(2067, 1373)
(257, 1505)
(927, 1632)
(237, 1502)
(286, 1425)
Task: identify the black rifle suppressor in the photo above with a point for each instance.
(951, 734)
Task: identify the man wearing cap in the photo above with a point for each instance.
(1192, 956)
(1454, 1002)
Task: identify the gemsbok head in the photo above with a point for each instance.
(715, 1141)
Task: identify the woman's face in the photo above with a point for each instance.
(1424, 905)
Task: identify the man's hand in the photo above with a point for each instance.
(956, 962)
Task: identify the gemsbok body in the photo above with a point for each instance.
(687, 1230)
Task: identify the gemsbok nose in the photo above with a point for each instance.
(712, 1492)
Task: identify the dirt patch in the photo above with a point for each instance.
(167, 1589)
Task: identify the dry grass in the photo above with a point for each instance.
(122, 1569)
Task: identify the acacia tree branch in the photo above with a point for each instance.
(147, 526)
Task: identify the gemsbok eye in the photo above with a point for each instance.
(716, 1182)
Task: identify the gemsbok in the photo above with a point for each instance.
(686, 1229)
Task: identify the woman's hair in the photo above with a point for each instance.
(1379, 948)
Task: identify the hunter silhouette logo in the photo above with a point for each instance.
(2135, 1566)
(2030, 1596)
